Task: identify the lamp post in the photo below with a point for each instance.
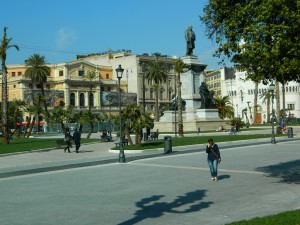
(271, 89)
(237, 111)
(144, 91)
(119, 71)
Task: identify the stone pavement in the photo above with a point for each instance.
(51, 187)
(97, 153)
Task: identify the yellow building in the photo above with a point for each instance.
(66, 85)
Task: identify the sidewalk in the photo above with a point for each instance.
(255, 180)
(99, 153)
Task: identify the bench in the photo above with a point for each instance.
(107, 139)
(153, 136)
(60, 143)
(125, 142)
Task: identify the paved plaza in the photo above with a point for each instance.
(256, 178)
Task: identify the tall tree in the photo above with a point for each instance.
(224, 107)
(156, 73)
(38, 72)
(263, 37)
(5, 45)
(135, 120)
(90, 76)
(61, 115)
(179, 69)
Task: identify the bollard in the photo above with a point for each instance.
(167, 144)
(290, 132)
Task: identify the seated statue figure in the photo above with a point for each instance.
(204, 93)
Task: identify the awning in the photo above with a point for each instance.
(35, 123)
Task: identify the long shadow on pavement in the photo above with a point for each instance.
(287, 172)
(152, 208)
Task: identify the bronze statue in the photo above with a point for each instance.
(206, 96)
(190, 38)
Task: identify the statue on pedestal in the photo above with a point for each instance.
(190, 38)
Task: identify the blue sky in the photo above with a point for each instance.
(59, 30)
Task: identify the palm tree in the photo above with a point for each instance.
(156, 73)
(90, 118)
(266, 97)
(134, 119)
(91, 75)
(61, 115)
(18, 108)
(36, 109)
(178, 68)
(38, 71)
(224, 107)
(5, 45)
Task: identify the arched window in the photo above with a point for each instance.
(81, 100)
(91, 99)
(72, 99)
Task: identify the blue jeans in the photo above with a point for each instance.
(213, 166)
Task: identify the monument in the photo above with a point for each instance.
(199, 110)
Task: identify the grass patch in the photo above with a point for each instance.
(286, 218)
(196, 140)
(29, 144)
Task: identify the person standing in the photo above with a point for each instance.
(68, 138)
(213, 158)
(76, 138)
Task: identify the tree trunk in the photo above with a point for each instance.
(255, 102)
(138, 138)
(4, 105)
(45, 103)
(31, 126)
(28, 118)
(268, 110)
(156, 105)
(90, 131)
(277, 97)
(277, 104)
(127, 134)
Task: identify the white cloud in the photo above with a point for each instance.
(64, 37)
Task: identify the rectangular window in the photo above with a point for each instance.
(19, 73)
(107, 76)
(61, 73)
(81, 73)
(291, 106)
(13, 74)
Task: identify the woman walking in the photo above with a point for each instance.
(213, 158)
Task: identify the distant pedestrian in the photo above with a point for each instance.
(145, 136)
(213, 158)
(68, 138)
(76, 138)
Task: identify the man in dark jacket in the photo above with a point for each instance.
(76, 138)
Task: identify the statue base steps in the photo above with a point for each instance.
(205, 119)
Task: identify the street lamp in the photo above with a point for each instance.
(119, 71)
(143, 73)
(271, 89)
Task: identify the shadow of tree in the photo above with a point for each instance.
(287, 172)
(151, 208)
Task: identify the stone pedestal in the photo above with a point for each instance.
(191, 81)
(193, 117)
